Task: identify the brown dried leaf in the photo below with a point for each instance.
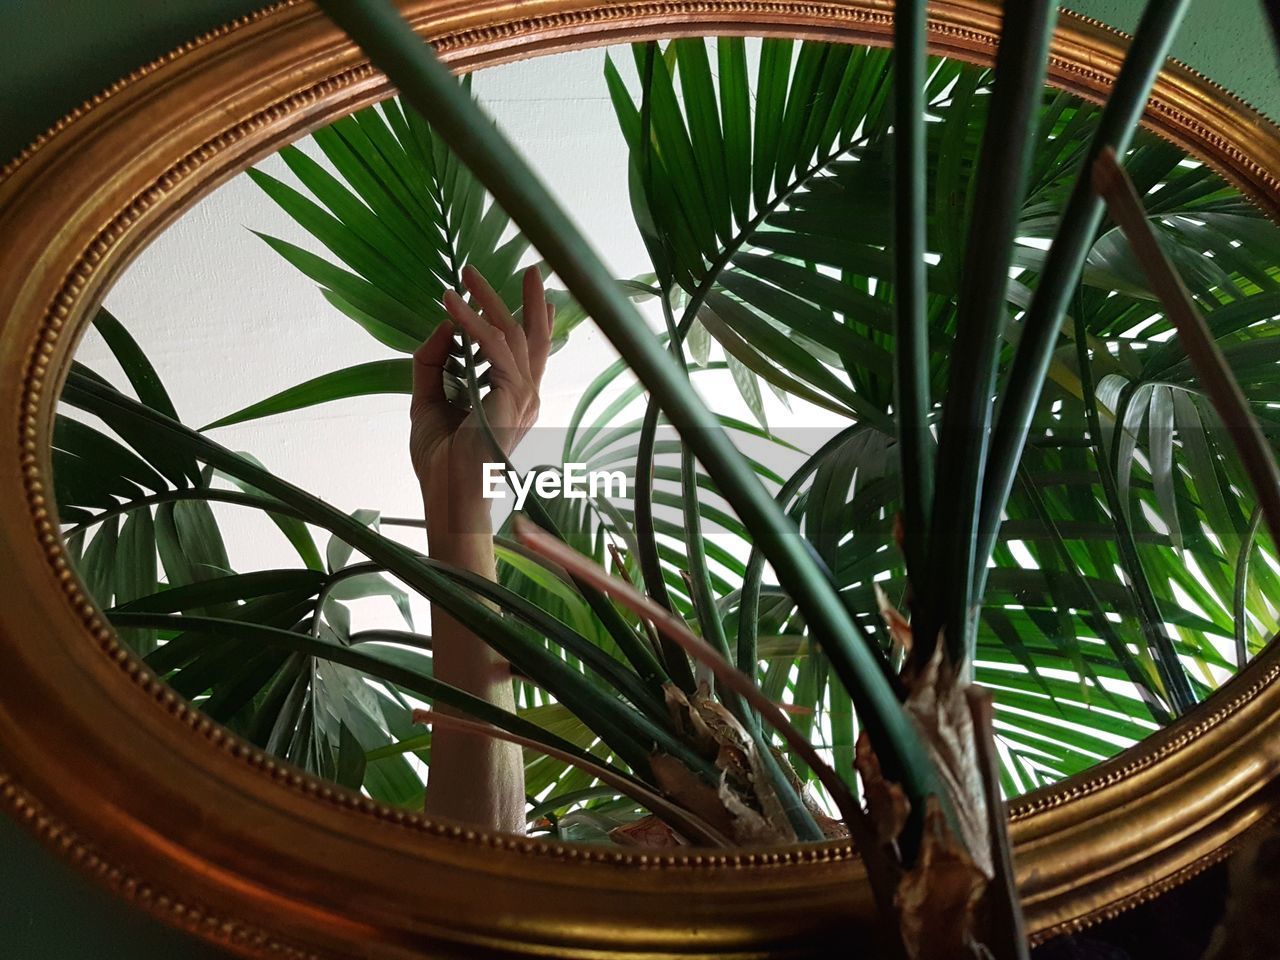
(736, 765)
(750, 826)
(832, 829)
(899, 627)
(691, 718)
(678, 707)
(747, 793)
(767, 801)
(722, 724)
(646, 832)
(690, 791)
(747, 801)
(939, 897)
(735, 749)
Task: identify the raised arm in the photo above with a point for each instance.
(474, 778)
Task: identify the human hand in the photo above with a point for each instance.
(447, 446)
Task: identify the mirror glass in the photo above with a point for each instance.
(745, 204)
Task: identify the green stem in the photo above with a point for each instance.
(1061, 274)
(646, 538)
(188, 493)
(704, 601)
(910, 294)
(673, 657)
(955, 568)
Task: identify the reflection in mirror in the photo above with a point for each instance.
(744, 204)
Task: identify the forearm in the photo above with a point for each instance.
(472, 778)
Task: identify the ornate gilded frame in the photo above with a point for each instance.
(121, 776)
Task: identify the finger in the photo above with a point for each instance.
(492, 340)
(495, 312)
(491, 305)
(428, 366)
(535, 300)
(536, 330)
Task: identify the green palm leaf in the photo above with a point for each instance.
(400, 219)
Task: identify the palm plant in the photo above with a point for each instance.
(1083, 547)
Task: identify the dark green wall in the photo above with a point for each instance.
(1227, 40)
(56, 53)
(48, 912)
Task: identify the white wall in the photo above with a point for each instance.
(227, 322)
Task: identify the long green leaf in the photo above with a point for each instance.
(370, 663)
(1001, 180)
(362, 380)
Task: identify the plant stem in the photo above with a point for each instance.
(1001, 178)
(910, 294)
(1061, 274)
(189, 493)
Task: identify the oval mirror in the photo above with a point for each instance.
(290, 656)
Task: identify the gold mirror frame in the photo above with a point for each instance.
(120, 775)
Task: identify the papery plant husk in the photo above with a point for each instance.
(743, 804)
(947, 855)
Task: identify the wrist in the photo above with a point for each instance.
(454, 510)
(460, 529)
